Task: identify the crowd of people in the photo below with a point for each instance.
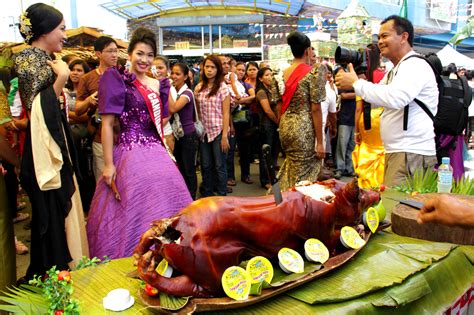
(123, 143)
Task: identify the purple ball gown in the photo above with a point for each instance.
(149, 182)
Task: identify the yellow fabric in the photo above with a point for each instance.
(48, 162)
(47, 157)
(368, 156)
(76, 233)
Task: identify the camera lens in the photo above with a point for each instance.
(344, 56)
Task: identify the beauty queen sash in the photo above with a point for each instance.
(292, 83)
(154, 106)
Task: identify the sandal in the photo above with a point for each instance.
(231, 182)
(21, 216)
(21, 248)
(247, 180)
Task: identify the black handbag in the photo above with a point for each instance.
(240, 115)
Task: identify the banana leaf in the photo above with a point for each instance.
(441, 284)
(172, 303)
(411, 290)
(92, 284)
(390, 255)
(280, 277)
(24, 300)
(469, 251)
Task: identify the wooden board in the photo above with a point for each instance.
(404, 223)
(225, 303)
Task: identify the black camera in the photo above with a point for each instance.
(358, 58)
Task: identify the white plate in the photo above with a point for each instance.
(117, 308)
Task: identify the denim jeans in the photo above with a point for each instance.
(345, 146)
(185, 150)
(213, 161)
(268, 135)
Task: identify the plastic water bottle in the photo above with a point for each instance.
(445, 176)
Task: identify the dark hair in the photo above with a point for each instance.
(240, 63)
(260, 74)
(329, 68)
(468, 75)
(251, 63)
(298, 42)
(145, 36)
(401, 25)
(85, 66)
(451, 68)
(43, 18)
(164, 59)
(102, 42)
(374, 61)
(185, 70)
(219, 75)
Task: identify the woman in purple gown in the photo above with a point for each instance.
(148, 181)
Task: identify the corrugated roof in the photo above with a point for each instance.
(136, 9)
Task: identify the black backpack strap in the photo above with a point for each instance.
(425, 108)
(405, 118)
(420, 103)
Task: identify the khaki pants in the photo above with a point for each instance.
(399, 165)
(97, 160)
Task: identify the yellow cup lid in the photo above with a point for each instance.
(350, 238)
(260, 269)
(316, 251)
(290, 260)
(371, 219)
(164, 269)
(236, 283)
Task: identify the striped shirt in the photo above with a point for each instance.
(210, 109)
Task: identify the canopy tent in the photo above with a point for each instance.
(137, 9)
(448, 54)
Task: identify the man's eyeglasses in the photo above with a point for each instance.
(110, 51)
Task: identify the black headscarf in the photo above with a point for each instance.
(44, 19)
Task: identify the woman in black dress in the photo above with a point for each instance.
(49, 161)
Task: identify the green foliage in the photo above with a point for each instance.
(57, 292)
(86, 262)
(46, 294)
(464, 186)
(421, 181)
(427, 182)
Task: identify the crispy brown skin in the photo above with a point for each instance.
(219, 232)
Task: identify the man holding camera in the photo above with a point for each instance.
(87, 101)
(410, 79)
